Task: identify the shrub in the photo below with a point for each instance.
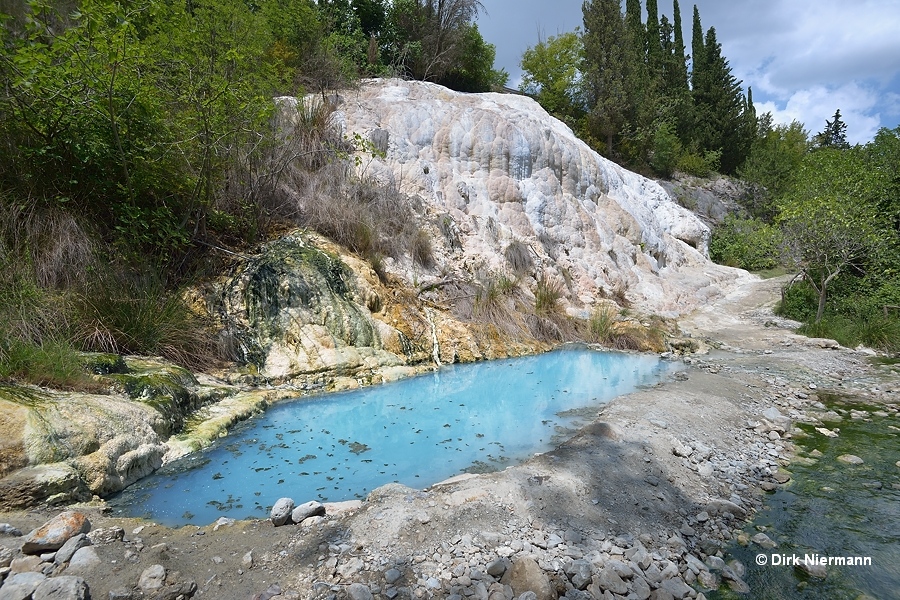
(600, 325)
(746, 243)
(698, 165)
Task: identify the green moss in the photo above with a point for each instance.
(104, 364)
(22, 396)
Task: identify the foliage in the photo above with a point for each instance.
(834, 135)
(775, 156)
(746, 243)
(699, 165)
(828, 220)
(636, 92)
(666, 150)
(551, 74)
(474, 71)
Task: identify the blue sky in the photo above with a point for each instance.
(803, 58)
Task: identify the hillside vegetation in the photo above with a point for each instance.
(139, 152)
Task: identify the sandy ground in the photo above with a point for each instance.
(618, 480)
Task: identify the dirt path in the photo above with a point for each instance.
(631, 504)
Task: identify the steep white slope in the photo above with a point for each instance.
(503, 169)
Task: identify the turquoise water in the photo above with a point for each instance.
(462, 418)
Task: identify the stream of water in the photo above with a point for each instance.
(461, 418)
(833, 509)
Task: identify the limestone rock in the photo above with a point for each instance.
(281, 511)
(306, 510)
(152, 579)
(20, 586)
(84, 559)
(62, 588)
(72, 545)
(526, 576)
(55, 532)
(850, 459)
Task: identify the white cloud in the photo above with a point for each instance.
(812, 106)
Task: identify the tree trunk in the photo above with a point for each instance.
(821, 310)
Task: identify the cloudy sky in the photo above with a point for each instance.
(803, 58)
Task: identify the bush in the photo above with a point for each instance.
(746, 243)
(698, 165)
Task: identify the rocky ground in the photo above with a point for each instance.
(637, 505)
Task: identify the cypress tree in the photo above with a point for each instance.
(605, 68)
(697, 48)
(678, 50)
(654, 46)
(722, 111)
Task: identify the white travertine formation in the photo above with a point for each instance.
(503, 169)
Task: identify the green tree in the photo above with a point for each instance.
(829, 221)
(834, 134)
(551, 74)
(775, 155)
(475, 70)
(605, 69)
(427, 38)
(724, 119)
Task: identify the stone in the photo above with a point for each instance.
(812, 569)
(281, 511)
(640, 588)
(25, 564)
(7, 529)
(106, 535)
(850, 459)
(526, 576)
(153, 578)
(761, 539)
(496, 568)
(62, 588)
(247, 560)
(6, 556)
(677, 587)
(707, 580)
(359, 591)
(72, 545)
(580, 574)
(55, 532)
(306, 510)
(661, 594)
(720, 507)
(610, 580)
(391, 576)
(20, 586)
(84, 559)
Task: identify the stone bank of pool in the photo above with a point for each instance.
(461, 418)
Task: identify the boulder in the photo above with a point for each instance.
(281, 511)
(306, 510)
(62, 588)
(56, 532)
(526, 576)
(72, 545)
(153, 578)
(20, 586)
